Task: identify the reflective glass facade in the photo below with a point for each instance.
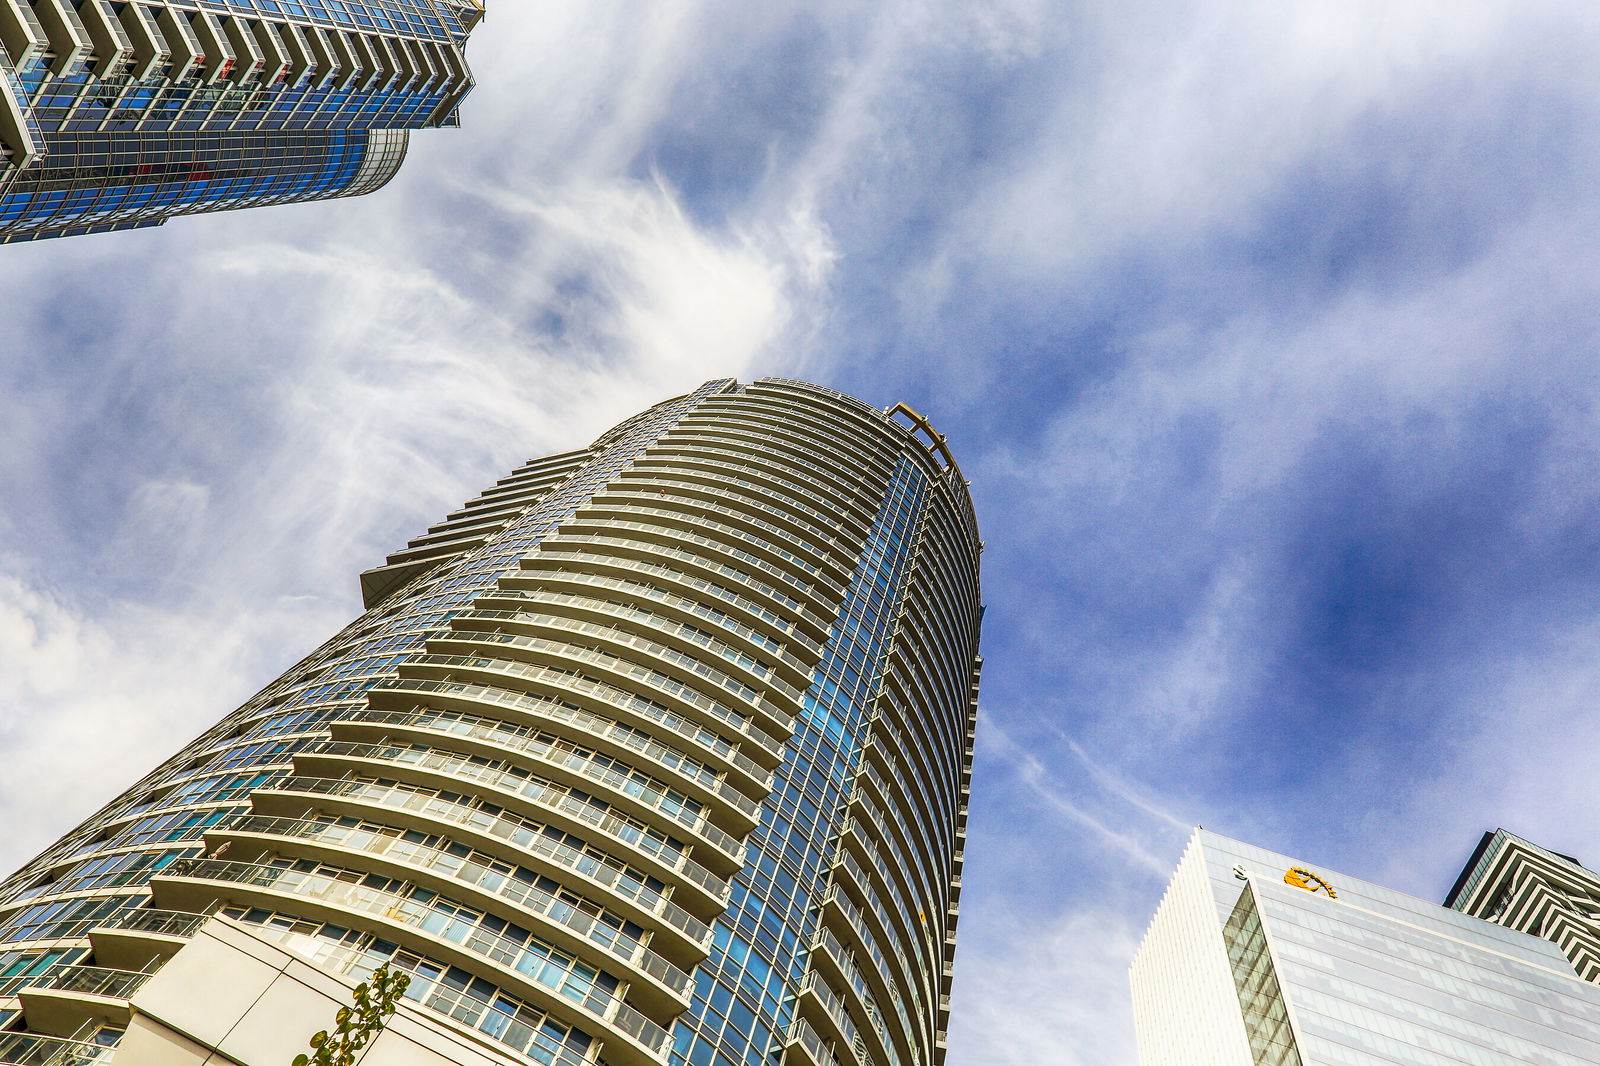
(1358, 975)
(115, 115)
(655, 752)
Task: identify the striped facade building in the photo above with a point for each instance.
(1517, 884)
(656, 752)
(118, 114)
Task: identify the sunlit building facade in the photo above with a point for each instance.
(119, 115)
(1258, 959)
(655, 752)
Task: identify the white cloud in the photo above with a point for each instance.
(1052, 988)
(290, 393)
(1179, 118)
(88, 706)
(197, 461)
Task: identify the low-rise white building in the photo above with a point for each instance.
(1259, 959)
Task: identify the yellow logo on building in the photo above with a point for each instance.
(1300, 877)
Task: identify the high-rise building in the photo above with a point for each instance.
(1258, 959)
(118, 114)
(1517, 884)
(655, 752)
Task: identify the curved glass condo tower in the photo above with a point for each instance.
(118, 114)
(655, 752)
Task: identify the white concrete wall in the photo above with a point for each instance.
(231, 997)
(1185, 1007)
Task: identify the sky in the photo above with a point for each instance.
(1265, 331)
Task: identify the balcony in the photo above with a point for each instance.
(29, 1049)
(522, 967)
(65, 1001)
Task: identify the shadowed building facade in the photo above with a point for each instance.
(119, 115)
(655, 752)
(1517, 884)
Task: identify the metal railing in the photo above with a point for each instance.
(528, 898)
(507, 827)
(548, 794)
(28, 1049)
(90, 980)
(690, 813)
(497, 730)
(528, 958)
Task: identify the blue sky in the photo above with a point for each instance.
(1264, 331)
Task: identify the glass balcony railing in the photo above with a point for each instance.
(548, 794)
(662, 622)
(28, 1049)
(528, 898)
(498, 730)
(171, 923)
(519, 832)
(542, 965)
(555, 752)
(89, 980)
(536, 671)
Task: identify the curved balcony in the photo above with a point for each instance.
(674, 526)
(637, 493)
(707, 786)
(407, 694)
(546, 652)
(520, 966)
(479, 886)
(767, 661)
(817, 591)
(786, 403)
(817, 443)
(627, 506)
(840, 966)
(560, 810)
(688, 455)
(742, 506)
(65, 1000)
(887, 884)
(492, 832)
(680, 451)
(534, 587)
(929, 837)
(659, 690)
(447, 769)
(134, 939)
(817, 1051)
(631, 559)
(912, 874)
(559, 761)
(894, 984)
(886, 929)
(664, 639)
(29, 1049)
(868, 475)
(822, 1007)
(626, 601)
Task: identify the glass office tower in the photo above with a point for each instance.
(1258, 959)
(119, 115)
(1515, 883)
(655, 752)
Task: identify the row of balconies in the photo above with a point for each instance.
(662, 689)
(754, 671)
(148, 41)
(603, 733)
(667, 614)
